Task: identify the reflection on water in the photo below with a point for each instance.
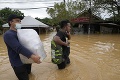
(93, 57)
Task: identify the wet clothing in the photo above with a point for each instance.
(14, 49)
(66, 50)
(23, 71)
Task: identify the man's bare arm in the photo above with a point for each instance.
(59, 41)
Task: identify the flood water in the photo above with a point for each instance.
(93, 57)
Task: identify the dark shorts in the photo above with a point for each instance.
(22, 71)
(66, 53)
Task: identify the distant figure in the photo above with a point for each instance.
(15, 48)
(61, 39)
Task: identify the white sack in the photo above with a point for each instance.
(30, 40)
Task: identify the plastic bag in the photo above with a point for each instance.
(30, 40)
(56, 53)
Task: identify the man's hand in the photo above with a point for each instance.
(36, 58)
(67, 44)
(69, 35)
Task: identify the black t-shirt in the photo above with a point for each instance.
(62, 36)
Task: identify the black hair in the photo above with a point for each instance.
(64, 23)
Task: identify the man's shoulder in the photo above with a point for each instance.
(60, 33)
(9, 32)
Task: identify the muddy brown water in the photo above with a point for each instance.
(93, 57)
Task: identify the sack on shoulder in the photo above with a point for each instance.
(56, 53)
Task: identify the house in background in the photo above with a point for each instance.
(87, 23)
(30, 23)
(111, 25)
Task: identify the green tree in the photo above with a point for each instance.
(57, 13)
(4, 13)
(67, 10)
(111, 6)
(45, 21)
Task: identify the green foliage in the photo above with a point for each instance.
(72, 9)
(4, 13)
(46, 20)
(102, 6)
(111, 6)
(65, 11)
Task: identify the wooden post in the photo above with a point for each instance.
(100, 30)
(46, 30)
(39, 30)
(90, 16)
(64, 1)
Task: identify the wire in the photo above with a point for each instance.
(45, 2)
(30, 8)
(29, 1)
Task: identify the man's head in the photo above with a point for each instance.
(14, 20)
(65, 24)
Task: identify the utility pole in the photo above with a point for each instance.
(90, 12)
(118, 8)
(117, 4)
(64, 1)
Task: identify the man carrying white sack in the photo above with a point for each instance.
(15, 48)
